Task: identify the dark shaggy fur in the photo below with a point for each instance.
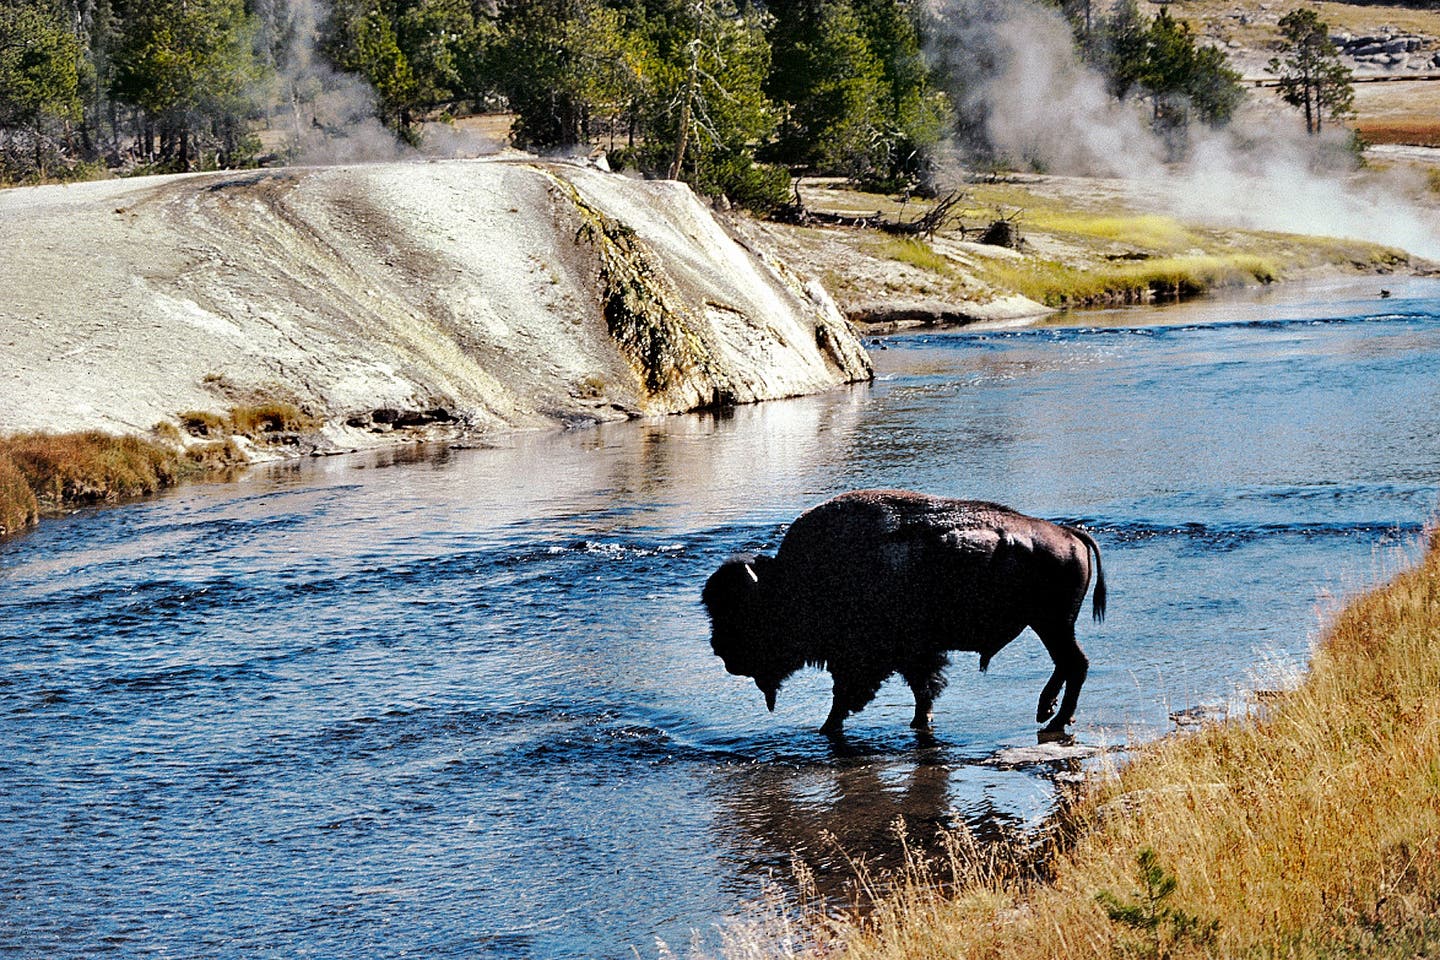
(878, 582)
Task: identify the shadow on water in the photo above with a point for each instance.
(838, 813)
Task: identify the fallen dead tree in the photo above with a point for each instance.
(941, 214)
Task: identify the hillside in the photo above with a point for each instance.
(434, 298)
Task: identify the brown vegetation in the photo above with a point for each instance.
(18, 506)
(248, 420)
(49, 473)
(1415, 133)
(256, 420)
(1311, 829)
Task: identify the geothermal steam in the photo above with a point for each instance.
(333, 113)
(1040, 105)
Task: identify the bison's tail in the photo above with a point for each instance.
(1097, 603)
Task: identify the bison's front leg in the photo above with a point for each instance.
(834, 724)
(853, 689)
(926, 682)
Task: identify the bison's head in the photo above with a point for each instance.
(743, 632)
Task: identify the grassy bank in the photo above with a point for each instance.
(1082, 243)
(46, 474)
(1058, 284)
(1312, 830)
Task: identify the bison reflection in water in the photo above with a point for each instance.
(878, 582)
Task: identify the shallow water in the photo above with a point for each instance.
(461, 703)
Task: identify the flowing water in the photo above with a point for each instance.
(462, 704)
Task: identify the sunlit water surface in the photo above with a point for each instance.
(462, 704)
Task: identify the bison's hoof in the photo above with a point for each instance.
(922, 724)
(1053, 736)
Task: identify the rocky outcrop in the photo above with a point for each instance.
(444, 298)
(1389, 50)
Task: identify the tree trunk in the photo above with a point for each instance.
(691, 84)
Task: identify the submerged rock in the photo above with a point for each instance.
(501, 294)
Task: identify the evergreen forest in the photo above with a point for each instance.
(732, 96)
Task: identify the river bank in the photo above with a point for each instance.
(443, 301)
(1076, 242)
(374, 677)
(243, 316)
(395, 301)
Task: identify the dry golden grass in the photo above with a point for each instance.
(273, 417)
(49, 473)
(214, 456)
(67, 469)
(1312, 830)
(203, 423)
(18, 506)
(248, 420)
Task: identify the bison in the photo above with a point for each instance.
(878, 582)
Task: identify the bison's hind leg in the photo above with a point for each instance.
(1071, 666)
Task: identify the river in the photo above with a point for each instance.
(461, 703)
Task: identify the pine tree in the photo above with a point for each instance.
(832, 87)
(416, 54)
(1163, 63)
(39, 87)
(561, 65)
(1312, 77)
(708, 110)
(1182, 77)
(913, 113)
(189, 69)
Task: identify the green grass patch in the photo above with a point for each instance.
(1128, 281)
(1149, 232)
(910, 250)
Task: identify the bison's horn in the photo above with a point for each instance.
(751, 571)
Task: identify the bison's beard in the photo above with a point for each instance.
(770, 690)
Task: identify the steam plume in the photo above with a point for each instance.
(332, 115)
(1039, 104)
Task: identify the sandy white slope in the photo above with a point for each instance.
(466, 286)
